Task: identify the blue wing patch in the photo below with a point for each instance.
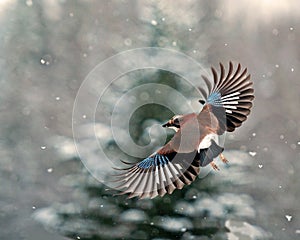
(156, 160)
(215, 99)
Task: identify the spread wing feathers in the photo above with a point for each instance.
(159, 174)
(230, 97)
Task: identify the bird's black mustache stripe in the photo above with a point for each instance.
(171, 125)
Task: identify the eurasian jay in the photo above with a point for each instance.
(195, 143)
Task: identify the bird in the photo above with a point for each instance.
(227, 103)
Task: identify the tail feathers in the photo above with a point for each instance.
(230, 95)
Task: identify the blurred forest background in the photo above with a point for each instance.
(48, 48)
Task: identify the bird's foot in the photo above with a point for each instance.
(214, 166)
(223, 159)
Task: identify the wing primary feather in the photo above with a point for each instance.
(222, 73)
(132, 178)
(232, 79)
(148, 185)
(169, 187)
(203, 92)
(141, 188)
(128, 172)
(178, 183)
(153, 186)
(208, 84)
(220, 83)
(239, 82)
(133, 187)
(215, 76)
(182, 177)
(161, 186)
(127, 163)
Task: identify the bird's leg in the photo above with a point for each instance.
(222, 157)
(214, 166)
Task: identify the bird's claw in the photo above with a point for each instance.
(214, 166)
(223, 159)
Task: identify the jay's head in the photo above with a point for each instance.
(175, 122)
(178, 121)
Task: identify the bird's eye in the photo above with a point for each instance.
(176, 121)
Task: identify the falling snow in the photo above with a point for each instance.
(50, 55)
(288, 217)
(46, 60)
(281, 137)
(252, 154)
(265, 149)
(154, 23)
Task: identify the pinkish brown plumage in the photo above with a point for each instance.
(195, 143)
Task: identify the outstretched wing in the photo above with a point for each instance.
(164, 171)
(174, 165)
(159, 174)
(229, 97)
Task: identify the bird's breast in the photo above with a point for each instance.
(206, 141)
(188, 138)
